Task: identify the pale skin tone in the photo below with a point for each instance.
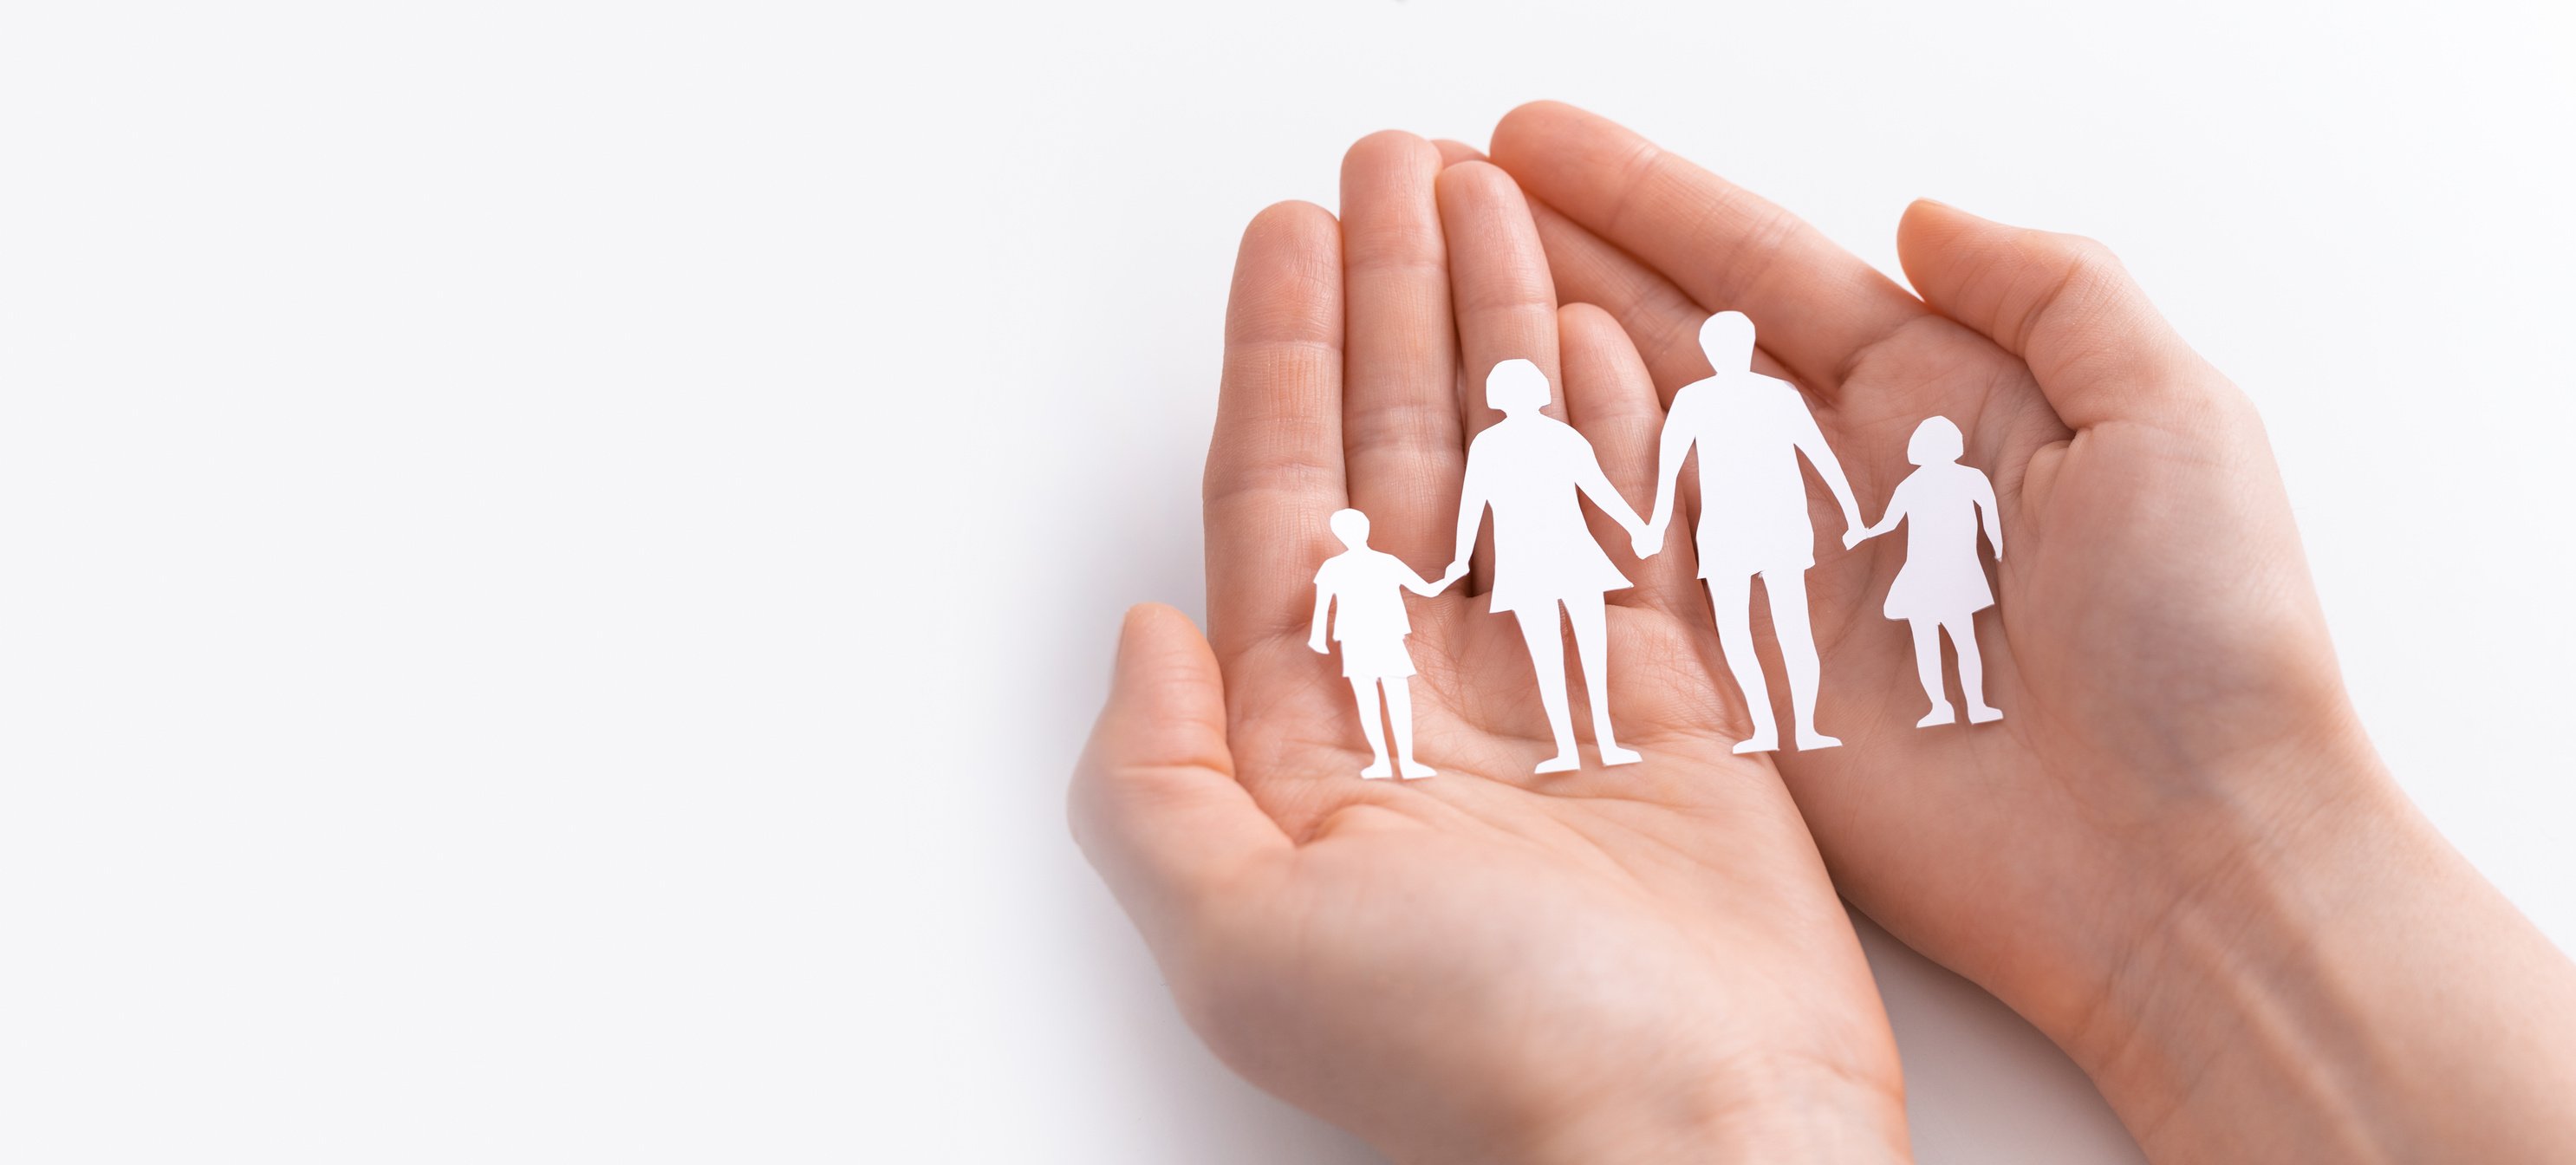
(2177, 854)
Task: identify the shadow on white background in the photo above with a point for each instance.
(1982, 1086)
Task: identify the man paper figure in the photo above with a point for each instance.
(1750, 429)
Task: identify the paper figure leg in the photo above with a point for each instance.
(1546, 639)
(1797, 635)
(1371, 725)
(1972, 669)
(1591, 621)
(1733, 600)
(1399, 717)
(1927, 668)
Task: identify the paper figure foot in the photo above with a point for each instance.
(1941, 713)
(1981, 714)
(1563, 762)
(1415, 770)
(1612, 754)
(1761, 742)
(1378, 770)
(1811, 740)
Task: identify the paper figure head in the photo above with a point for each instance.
(1515, 385)
(1936, 441)
(1727, 338)
(1351, 526)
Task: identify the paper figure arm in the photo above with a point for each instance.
(1811, 441)
(1471, 515)
(1323, 603)
(1887, 520)
(1426, 587)
(1984, 493)
(1596, 486)
(1671, 449)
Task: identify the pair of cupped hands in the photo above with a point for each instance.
(2178, 856)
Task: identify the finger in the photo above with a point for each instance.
(1154, 803)
(1612, 402)
(1498, 280)
(1401, 442)
(1505, 304)
(1661, 321)
(1453, 152)
(1274, 471)
(1817, 306)
(2062, 303)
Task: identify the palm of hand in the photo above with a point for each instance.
(2154, 627)
(1485, 952)
(1672, 911)
(1476, 954)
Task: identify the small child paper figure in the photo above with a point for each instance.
(1371, 630)
(1942, 584)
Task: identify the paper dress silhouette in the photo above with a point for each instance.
(1363, 584)
(1531, 469)
(1750, 430)
(1942, 585)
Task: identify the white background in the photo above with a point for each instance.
(557, 555)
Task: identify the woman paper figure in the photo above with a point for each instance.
(1531, 468)
(1942, 584)
(1371, 631)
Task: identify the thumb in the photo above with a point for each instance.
(2064, 305)
(1154, 804)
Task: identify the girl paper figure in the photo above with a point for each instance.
(1942, 585)
(1371, 630)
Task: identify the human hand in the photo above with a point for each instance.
(1854, 536)
(1457, 570)
(2181, 828)
(1630, 964)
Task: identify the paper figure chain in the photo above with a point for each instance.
(1532, 472)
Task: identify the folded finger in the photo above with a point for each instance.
(1154, 803)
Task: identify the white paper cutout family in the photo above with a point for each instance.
(1530, 469)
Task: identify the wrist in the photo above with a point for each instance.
(2324, 975)
(1766, 1113)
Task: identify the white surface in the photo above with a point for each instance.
(504, 503)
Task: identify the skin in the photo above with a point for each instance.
(2177, 854)
(1636, 964)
